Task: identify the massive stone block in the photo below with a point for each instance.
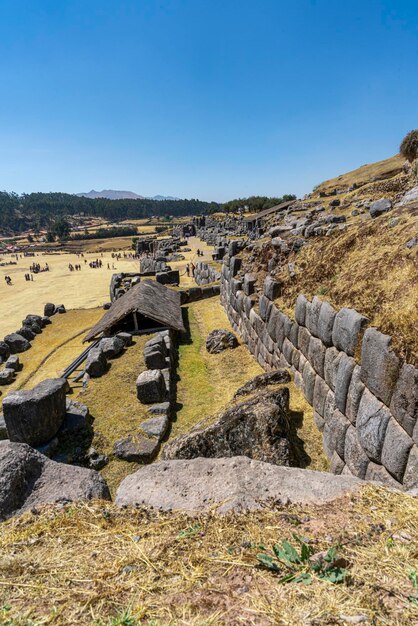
(300, 309)
(35, 416)
(410, 478)
(326, 323)
(354, 455)
(313, 310)
(396, 449)
(304, 338)
(329, 406)
(316, 355)
(345, 369)
(273, 322)
(372, 420)
(379, 474)
(404, 404)
(150, 387)
(309, 376)
(272, 288)
(96, 362)
(320, 395)
(264, 306)
(334, 434)
(248, 284)
(16, 343)
(354, 394)
(346, 331)
(379, 364)
(331, 363)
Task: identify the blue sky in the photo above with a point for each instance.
(202, 98)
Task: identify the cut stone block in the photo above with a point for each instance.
(354, 455)
(346, 331)
(404, 404)
(354, 394)
(372, 420)
(345, 370)
(410, 478)
(396, 449)
(379, 365)
(300, 309)
(150, 387)
(326, 323)
(316, 355)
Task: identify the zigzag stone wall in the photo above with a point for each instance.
(365, 401)
(204, 274)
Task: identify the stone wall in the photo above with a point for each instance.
(365, 400)
(205, 274)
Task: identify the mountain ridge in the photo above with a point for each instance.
(114, 194)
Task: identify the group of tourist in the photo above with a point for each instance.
(36, 268)
(28, 277)
(74, 268)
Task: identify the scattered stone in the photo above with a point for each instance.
(13, 363)
(49, 309)
(150, 387)
(412, 243)
(233, 484)
(4, 351)
(95, 460)
(379, 207)
(29, 479)
(163, 408)
(136, 449)
(27, 333)
(155, 426)
(35, 416)
(60, 308)
(96, 363)
(111, 346)
(277, 377)
(7, 376)
(219, 340)
(410, 196)
(17, 343)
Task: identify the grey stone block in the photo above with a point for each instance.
(282, 320)
(380, 206)
(248, 284)
(329, 406)
(35, 416)
(7, 376)
(17, 343)
(264, 306)
(410, 478)
(372, 420)
(296, 358)
(150, 387)
(320, 395)
(309, 376)
(304, 338)
(292, 332)
(272, 288)
(316, 355)
(287, 350)
(313, 310)
(377, 473)
(346, 331)
(319, 421)
(326, 323)
(273, 322)
(342, 382)
(334, 434)
(396, 449)
(379, 364)
(354, 455)
(336, 464)
(155, 426)
(3, 428)
(235, 265)
(300, 309)
(354, 394)
(96, 362)
(13, 363)
(331, 363)
(112, 346)
(404, 404)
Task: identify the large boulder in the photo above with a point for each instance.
(35, 416)
(112, 346)
(17, 343)
(219, 340)
(379, 207)
(236, 483)
(150, 387)
(29, 479)
(257, 428)
(262, 381)
(96, 362)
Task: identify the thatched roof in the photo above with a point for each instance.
(273, 209)
(151, 299)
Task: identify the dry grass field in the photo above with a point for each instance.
(98, 565)
(87, 288)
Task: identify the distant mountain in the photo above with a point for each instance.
(111, 194)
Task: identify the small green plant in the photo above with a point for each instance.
(413, 577)
(125, 619)
(189, 532)
(302, 565)
(322, 291)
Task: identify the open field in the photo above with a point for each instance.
(87, 288)
(96, 564)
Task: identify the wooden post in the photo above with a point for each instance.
(135, 320)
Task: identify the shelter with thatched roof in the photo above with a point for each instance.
(147, 305)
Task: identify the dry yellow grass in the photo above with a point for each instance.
(52, 351)
(364, 174)
(369, 268)
(95, 564)
(84, 289)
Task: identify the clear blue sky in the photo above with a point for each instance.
(202, 98)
